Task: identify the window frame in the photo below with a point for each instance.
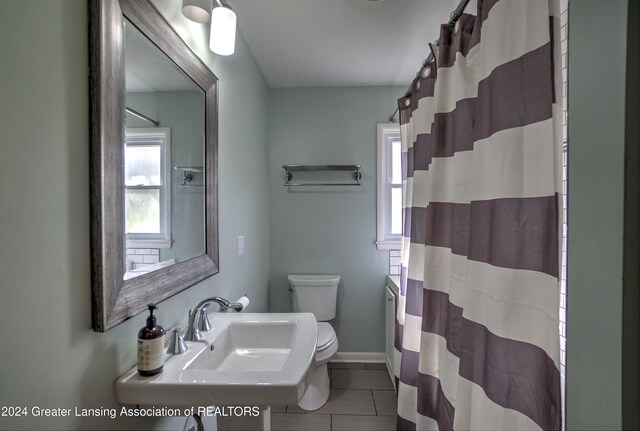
(163, 239)
(384, 239)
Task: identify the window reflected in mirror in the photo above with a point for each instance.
(164, 208)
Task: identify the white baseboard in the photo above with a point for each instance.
(370, 357)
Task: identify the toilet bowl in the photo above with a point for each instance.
(317, 294)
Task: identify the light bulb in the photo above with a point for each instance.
(222, 40)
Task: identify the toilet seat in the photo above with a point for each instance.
(326, 336)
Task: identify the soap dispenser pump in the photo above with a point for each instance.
(151, 346)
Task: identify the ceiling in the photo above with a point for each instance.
(315, 43)
(149, 69)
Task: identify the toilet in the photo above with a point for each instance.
(317, 294)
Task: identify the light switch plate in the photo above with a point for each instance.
(240, 245)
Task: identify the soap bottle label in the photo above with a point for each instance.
(150, 354)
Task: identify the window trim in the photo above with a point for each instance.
(163, 239)
(384, 241)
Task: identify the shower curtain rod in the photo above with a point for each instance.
(453, 18)
(142, 116)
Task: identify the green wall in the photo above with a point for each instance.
(597, 87)
(51, 357)
(631, 276)
(330, 230)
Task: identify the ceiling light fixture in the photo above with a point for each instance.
(197, 10)
(222, 39)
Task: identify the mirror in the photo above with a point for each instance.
(153, 105)
(163, 159)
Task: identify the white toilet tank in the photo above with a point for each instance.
(315, 294)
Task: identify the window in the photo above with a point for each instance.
(147, 189)
(389, 217)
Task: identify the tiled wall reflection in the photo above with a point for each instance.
(139, 257)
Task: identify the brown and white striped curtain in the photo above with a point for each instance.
(477, 328)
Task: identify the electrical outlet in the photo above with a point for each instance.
(240, 245)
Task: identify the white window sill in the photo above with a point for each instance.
(151, 243)
(389, 245)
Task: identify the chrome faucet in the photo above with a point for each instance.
(193, 331)
(177, 346)
(203, 319)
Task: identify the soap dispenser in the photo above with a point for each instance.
(151, 346)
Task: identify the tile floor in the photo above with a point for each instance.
(362, 398)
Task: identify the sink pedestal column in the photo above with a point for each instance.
(262, 422)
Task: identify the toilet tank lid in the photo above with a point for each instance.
(313, 280)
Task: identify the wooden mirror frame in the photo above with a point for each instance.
(114, 299)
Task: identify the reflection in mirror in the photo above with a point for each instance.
(163, 160)
(154, 230)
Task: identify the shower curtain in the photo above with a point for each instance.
(477, 326)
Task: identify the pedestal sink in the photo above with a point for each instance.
(247, 359)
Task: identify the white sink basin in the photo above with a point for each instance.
(246, 346)
(248, 359)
